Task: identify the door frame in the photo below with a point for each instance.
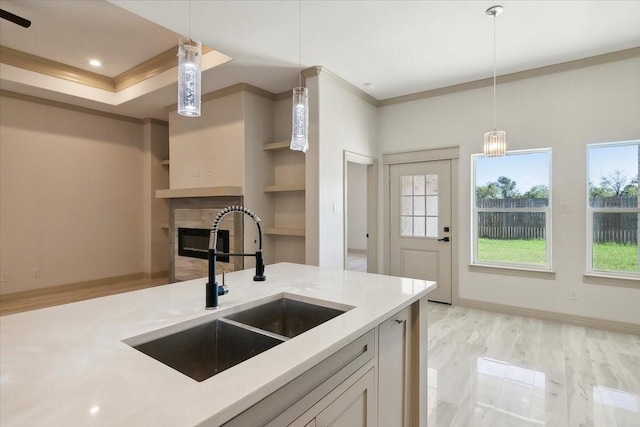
(372, 208)
(445, 153)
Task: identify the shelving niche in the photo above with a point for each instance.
(288, 193)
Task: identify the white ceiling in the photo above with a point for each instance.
(402, 47)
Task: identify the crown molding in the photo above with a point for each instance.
(56, 69)
(150, 68)
(521, 75)
(143, 71)
(322, 71)
(58, 104)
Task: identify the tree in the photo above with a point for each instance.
(599, 191)
(630, 190)
(537, 192)
(507, 187)
(615, 182)
(488, 191)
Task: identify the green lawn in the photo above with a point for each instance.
(606, 256)
(614, 257)
(512, 251)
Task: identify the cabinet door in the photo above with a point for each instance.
(356, 407)
(393, 360)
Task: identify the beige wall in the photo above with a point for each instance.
(564, 111)
(156, 211)
(208, 151)
(71, 196)
(258, 114)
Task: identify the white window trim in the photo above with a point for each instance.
(548, 266)
(591, 211)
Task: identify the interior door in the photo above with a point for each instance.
(420, 221)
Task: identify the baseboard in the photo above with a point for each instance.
(74, 286)
(590, 322)
(357, 251)
(156, 275)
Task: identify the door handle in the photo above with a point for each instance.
(444, 239)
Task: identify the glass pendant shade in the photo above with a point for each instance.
(189, 74)
(300, 120)
(495, 143)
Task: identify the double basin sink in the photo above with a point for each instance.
(206, 349)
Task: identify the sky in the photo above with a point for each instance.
(527, 170)
(604, 161)
(531, 169)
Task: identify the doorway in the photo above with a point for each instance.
(360, 213)
(420, 212)
(357, 217)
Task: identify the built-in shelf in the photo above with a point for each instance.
(278, 188)
(165, 162)
(284, 231)
(277, 146)
(164, 226)
(199, 192)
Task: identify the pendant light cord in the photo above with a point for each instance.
(300, 40)
(494, 71)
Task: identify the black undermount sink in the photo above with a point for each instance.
(207, 349)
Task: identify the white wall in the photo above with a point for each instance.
(356, 206)
(71, 196)
(564, 111)
(345, 122)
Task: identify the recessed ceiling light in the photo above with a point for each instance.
(95, 62)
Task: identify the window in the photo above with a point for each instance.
(512, 210)
(419, 211)
(613, 209)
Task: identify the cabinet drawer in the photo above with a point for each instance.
(296, 397)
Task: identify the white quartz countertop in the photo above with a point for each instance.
(68, 365)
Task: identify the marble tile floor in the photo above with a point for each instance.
(488, 369)
(356, 261)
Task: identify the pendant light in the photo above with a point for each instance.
(495, 142)
(300, 108)
(189, 74)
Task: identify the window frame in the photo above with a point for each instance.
(590, 211)
(547, 210)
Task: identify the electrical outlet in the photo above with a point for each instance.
(36, 273)
(573, 294)
(4, 276)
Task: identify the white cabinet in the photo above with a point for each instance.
(393, 370)
(352, 404)
(373, 381)
(300, 401)
(356, 407)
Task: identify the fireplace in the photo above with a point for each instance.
(190, 223)
(194, 243)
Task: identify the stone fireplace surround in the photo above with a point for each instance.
(200, 212)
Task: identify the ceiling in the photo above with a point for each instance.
(386, 48)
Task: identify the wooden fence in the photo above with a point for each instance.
(615, 228)
(621, 228)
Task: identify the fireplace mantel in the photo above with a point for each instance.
(199, 192)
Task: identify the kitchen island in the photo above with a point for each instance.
(75, 364)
